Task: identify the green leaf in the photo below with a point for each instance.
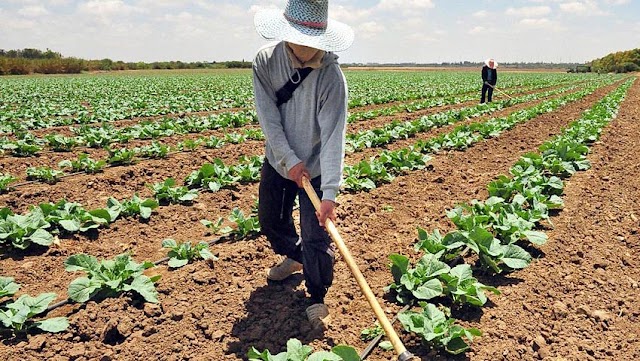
(347, 353)
(255, 355)
(8, 287)
(399, 266)
(145, 212)
(81, 262)
(177, 262)
(456, 346)
(536, 237)
(101, 213)
(428, 290)
(515, 257)
(320, 356)
(39, 303)
(169, 243)
(386, 345)
(206, 254)
(144, 286)
(70, 225)
(82, 289)
(5, 318)
(149, 203)
(41, 237)
(297, 351)
(56, 324)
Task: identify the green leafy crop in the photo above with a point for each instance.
(437, 330)
(18, 315)
(131, 207)
(109, 278)
(8, 287)
(181, 254)
(296, 351)
(44, 174)
(167, 192)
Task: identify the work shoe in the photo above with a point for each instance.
(284, 269)
(318, 316)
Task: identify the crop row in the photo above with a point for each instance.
(493, 229)
(371, 138)
(41, 103)
(24, 229)
(105, 135)
(434, 316)
(433, 312)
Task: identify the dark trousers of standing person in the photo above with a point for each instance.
(276, 199)
(488, 90)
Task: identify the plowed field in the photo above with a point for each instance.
(577, 300)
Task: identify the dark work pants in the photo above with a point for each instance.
(486, 89)
(276, 199)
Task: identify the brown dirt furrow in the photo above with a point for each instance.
(141, 238)
(122, 182)
(218, 313)
(579, 301)
(18, 166)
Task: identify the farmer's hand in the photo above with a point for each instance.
(327, 210)
(297, 172)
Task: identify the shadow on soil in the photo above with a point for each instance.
(275, 313)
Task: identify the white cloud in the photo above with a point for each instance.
(480, 14)
(420, 38)
(58, 2)
(33, 11)
(541, 24)
(350, 15)
(528, 12)
(183, 16)
(369, 30)
(617, 2)
(106, 8)
(405, 5)
(477, 30)
(536, 23)
(18, 24)
(584, 8)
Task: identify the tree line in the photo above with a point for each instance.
(30, 61)
(618, 62)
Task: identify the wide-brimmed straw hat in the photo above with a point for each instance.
(495, 63)
(304, 22)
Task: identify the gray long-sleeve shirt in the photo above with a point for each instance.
(311, 126)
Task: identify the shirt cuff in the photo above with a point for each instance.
(290, 161)
(329, 194)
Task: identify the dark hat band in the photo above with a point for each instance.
(309, 24)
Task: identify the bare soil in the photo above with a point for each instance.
(578, 301)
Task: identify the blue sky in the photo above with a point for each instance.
(386, 30)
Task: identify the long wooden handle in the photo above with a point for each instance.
(500, 91)
(402, 352)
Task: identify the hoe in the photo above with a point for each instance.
(499, 91)
(403, 354)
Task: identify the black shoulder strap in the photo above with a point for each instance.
(286, 92)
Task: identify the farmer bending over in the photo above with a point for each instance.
(304, 122)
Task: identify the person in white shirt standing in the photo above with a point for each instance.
(301, 100)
